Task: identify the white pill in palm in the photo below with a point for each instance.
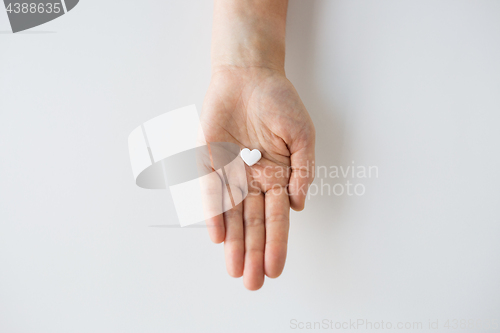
(250, 157)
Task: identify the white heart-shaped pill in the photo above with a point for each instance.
(250, 157)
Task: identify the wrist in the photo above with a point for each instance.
(248, 34)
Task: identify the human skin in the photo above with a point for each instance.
(250, 102)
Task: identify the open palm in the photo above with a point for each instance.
(258, 108)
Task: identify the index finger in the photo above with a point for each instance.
(277, 222)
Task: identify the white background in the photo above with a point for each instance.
(411, 87)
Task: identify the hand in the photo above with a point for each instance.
(257, 107)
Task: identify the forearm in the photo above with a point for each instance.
(249, 33)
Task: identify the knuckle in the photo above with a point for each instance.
(280, 242)
(255, 250)
(254, 222)
(232, 214)
(233, 240)
(277, 219)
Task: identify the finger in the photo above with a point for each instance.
(255, 235)
(214, 162)
(212, 198)
(301, 176)
(277, 208)
(234, 245)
